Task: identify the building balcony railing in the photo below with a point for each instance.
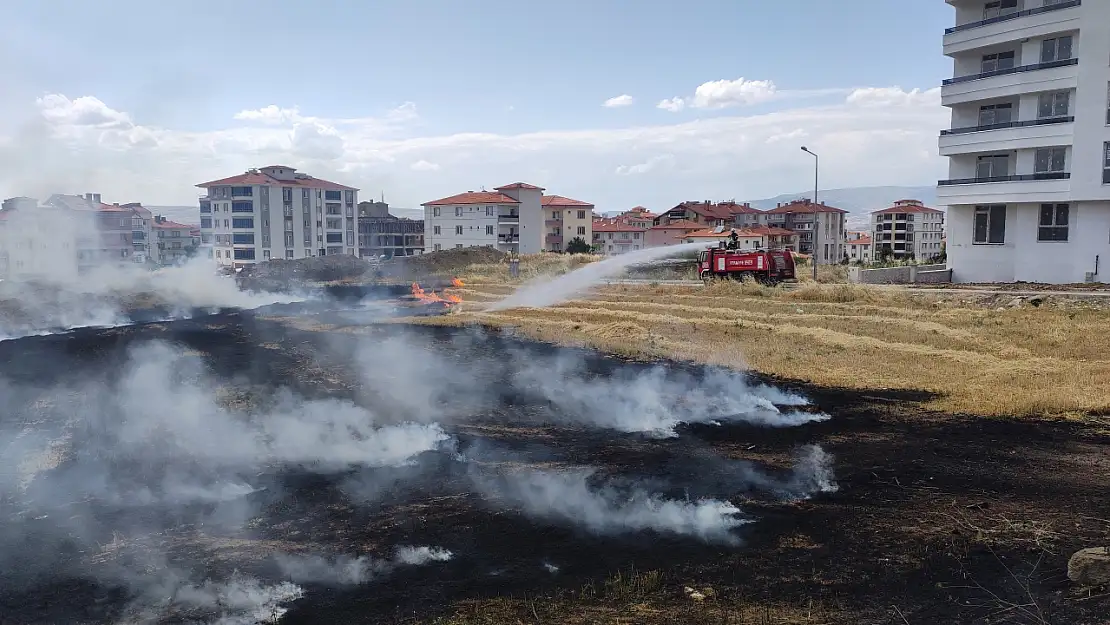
(1011, 70)
(508, 218)
(1013, 16)
(553, 222)
(554, 238)
(1053, 175)
(505, 238)
(1023, 124)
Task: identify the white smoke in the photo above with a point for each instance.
(551, 291)
(415, 556)
(348, 571)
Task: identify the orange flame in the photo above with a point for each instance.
(429, 297)
(456, 282)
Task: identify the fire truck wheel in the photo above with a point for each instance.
(706, 277)
(744, 276)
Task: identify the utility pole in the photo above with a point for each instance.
(816, 165)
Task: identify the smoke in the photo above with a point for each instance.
(565, 287)
(240, 600)
(607, 509)
(347, 570)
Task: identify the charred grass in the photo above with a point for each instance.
(941, 517)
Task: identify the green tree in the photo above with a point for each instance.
(578, 245)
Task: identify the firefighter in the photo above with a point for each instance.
(733, 241)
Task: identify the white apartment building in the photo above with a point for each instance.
(276, 212)
(1028, 190)
(512, 218)
(860, 248)
(909, 229)
(799, 216)
(171, 242)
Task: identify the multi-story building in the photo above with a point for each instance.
(907, 230)
(750, 238)
(142, 229)
(276, 212)
(511, 218)
(708, 213)
(172, 242)
(860, 248)
(1028, 189)
(671, 232)
(612, 237)
(566, 219)
(382, 234)
(799, 216)
(637, 216)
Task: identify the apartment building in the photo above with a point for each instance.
(172, 243)
(710, 214)
(860, 249)
(566, 219)
(382, 234)
(612, 237)
(512, 218)
(671, 233)
(749, 238)
(1028, 189)
(277, 212)
(637, 216)
(799, 216)
(907, 230)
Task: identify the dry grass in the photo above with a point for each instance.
(978, 360)
(531, 266)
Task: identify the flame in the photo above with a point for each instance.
(429, 297)
(456, 282)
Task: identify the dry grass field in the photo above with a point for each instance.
(976, 356)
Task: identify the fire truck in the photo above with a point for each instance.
(766, 267)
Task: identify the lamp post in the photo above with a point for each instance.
(816, 165)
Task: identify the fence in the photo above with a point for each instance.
(909, 274)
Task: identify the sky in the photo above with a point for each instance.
(615, 102)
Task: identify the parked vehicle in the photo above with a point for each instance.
(763, 266)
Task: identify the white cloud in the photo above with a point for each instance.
(652, 164)
(673, 105)
(423, 165)
(619, 101)
(893, 96)
(272, 114)
(718, 94)
(82, 144)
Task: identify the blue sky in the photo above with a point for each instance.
(417, 72)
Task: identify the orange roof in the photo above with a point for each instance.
(473, 197)
(757, 231)
(519, 185)
(640, 211)
(615, 226)
(257, 177)
(860, 241)
(804, 206)
(558, 200)
(114, 208)
(171, 225)
(907, 206)
(681, 224)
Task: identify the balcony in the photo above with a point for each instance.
(508, 218)
(553, 223)
(1030, 134)
(555, 239)
(508, 239)
(1009, 82)
(1031, 23)
(1031, 188)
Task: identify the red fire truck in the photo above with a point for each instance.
(767, 267)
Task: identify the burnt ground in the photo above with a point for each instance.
(939, 518)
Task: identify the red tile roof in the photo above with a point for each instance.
(114, 208)
(558, 200)
(804, 206)
(257, 177)
(860, 241)
(720, 210)
(755, 231)
(640, 211)
(907, 206)
(473, 197)
(171, 225)
(681, 224)
(519, 185)
(613, 226)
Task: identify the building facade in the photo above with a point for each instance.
(907, 230)
(382, 234)
(512, 218)
(172, 243)
(1028, 189)
(750, 238)
(799, 216)
(612, 237)
(277, 212)
(860, 249)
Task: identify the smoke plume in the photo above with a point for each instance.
(347, 570)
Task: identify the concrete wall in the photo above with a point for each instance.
(911, 274)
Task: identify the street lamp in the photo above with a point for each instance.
(816, 164)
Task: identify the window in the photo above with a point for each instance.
(999, 8)
(1056, 49)
(582, 230)
(458, 246)
(435, 230)
(995, 62)
(458, 229)
(990, 225)
(489, 211)
(996, 114)
(458, 211)
(1053, 104)
(436, 247)
(489, 230)
(1053, 225)
(435, 211)
(242, 207)
(333, 196)
(244, 254)
(243, 238)
(175, 233)
(581, 214)
(242, 191)
(992, 166)
(205, 222)
(206, 208)
(335, 224)
(289, 254)
(242, 222)
(1047, 160)
(1106, 163)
